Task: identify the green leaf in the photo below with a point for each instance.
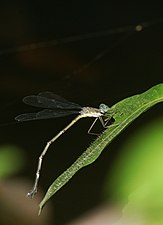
(124, 112)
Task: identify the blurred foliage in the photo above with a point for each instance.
(137, 177)
(11, 160)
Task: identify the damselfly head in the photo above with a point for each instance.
(103, 108)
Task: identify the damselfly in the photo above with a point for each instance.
(56, 106)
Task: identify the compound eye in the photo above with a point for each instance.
(103, 108)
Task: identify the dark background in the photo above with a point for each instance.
(131, 62)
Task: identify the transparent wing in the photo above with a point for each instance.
(50, 101)
(51, 95)
(45, 114)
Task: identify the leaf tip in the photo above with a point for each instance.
(40, 209)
